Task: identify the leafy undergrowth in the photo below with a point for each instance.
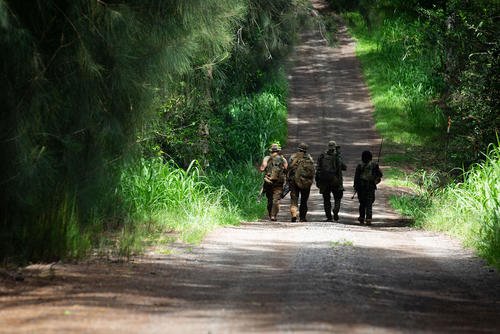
(469, 210)
(172, 204)
(398, 67)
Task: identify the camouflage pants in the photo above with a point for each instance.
(366, 199)
(295, 193)
(338, 193)
(273, 195)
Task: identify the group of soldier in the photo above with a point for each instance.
(298, 173)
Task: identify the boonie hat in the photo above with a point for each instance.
(274, 148)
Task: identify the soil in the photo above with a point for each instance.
(279, 277)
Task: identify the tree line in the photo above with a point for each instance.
(89, 87)
(462, 38)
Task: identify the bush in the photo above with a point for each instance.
(469, 210)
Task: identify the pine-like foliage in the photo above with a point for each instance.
(194, 121)
(79, 78)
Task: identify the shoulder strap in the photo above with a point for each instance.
(296, 160)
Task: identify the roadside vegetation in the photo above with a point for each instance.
(431, 72)
(137, 123)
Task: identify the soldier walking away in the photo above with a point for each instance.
(300, 180)
(329, 179)
(366, 178)
(274, 167)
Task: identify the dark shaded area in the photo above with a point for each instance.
(324, 285)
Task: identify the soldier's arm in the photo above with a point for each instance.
(264, 164)
(377, 171)
(356, 177)
(318, 165)
(318, 170)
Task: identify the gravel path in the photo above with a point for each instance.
(264, 277)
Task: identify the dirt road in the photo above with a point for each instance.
(313, 277)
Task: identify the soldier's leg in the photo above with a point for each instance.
(370, 198)
(337, 196)
(276, 194)
(327, 204)
(362, 206)
(294, 201)
(269, 196)
(304, 197)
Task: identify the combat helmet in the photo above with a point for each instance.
(302, 147)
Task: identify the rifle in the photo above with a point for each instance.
(286, 190)
(380, 150)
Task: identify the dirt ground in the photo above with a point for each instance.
(282, 277)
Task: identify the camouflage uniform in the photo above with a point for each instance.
(326, 188)
(273, 189)
(295, 191)
(366, 189)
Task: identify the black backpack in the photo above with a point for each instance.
(330, 169)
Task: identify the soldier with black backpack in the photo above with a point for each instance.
(366, 178)
(274, 166)
(329, 179)
(300, 180)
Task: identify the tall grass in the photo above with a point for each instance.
(469, 210)
(169, 203)
(254, 122)
(398, 67)
(162, 197)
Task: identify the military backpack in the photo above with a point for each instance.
(330, 169)
(304, 171)
(275, 170)
(369, 173)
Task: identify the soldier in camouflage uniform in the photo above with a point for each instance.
(329, 179)
(274, 166)
(366, 178)
(300, 185)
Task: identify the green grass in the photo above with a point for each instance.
(398, 67)
(341, 243)
(469, 210)
(165, 200)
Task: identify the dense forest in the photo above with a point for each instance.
(101, 98)
(122, 120)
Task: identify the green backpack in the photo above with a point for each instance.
(304, 172)
(368, 173)
(275, 170)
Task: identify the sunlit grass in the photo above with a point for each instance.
(398, 67)
(341, 243)
(469, 210)
(166, 199)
